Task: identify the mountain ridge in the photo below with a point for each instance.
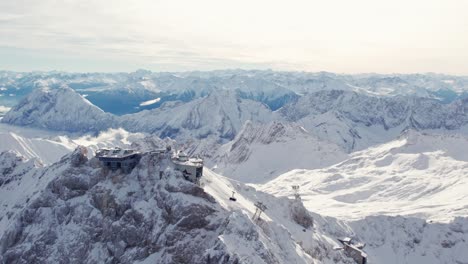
(351, 120)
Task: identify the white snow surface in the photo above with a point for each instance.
(421, 175)
(150, 102)
(4, 109)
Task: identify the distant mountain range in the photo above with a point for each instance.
(124, 93)
(350, 119)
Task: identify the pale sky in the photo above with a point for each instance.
(344, 36)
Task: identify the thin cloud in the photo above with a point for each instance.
(342, 36)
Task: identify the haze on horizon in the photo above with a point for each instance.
(337, 36)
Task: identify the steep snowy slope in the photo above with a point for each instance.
(13, 167)
(47, 151)
(260, 152)
(219, 115)
(421, 175)
(388, 239)
(76, 212)
(33, 143)
(58, 109)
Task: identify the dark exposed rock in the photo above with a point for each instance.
(79, 156)
(300, 214)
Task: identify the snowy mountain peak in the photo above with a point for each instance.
(219, 115)
(58, 109)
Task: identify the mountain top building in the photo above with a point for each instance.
(117, 158)
(354, 251)
(191, 168)
(126, 159)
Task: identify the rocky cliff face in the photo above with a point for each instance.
(13, 166)
(261, 152)
(80, 218)
(356, 121)
(411, 112)
(74, 211)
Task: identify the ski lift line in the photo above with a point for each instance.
(229, 179)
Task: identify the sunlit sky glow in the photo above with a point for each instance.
(345, 36)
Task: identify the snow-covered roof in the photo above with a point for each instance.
(115, 153)
(158, 150)
(182, 158)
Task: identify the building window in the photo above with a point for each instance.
(199, 172)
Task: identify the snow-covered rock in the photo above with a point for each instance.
(356, 121)
(413, 240)
(14, 166)
(81, 213)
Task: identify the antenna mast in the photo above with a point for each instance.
(296, 192)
